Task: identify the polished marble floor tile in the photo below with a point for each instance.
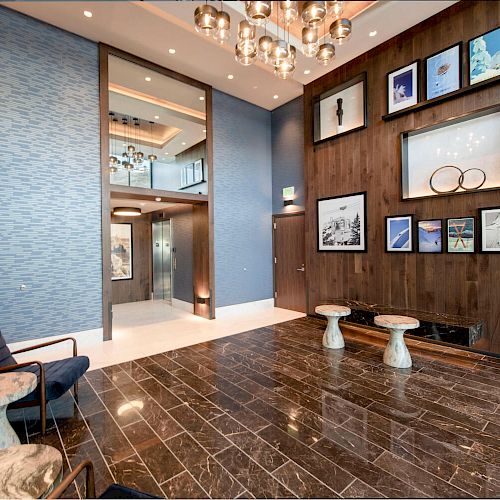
(271, 413)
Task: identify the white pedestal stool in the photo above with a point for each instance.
(333, 338)
(396, 353)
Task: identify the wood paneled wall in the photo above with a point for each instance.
(467, 285)
(139, 287)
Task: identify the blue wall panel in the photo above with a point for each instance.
(50, 189)
(288, 153)
(242, 201)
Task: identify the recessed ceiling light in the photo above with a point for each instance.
(166, 153)
(255, 87)
(183, 143)
(171, 51)
(275, 96)
(124, 144)
(230, 77)
(157, 198)
(157, 117)
(148, 78)
(373, 33)
(204, 130)
(201, 98)
(87, 13)
(307, 71)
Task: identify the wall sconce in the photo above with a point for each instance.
(201, 300)
(288, 195)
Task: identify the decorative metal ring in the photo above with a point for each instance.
(461, 180)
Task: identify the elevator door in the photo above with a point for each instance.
(162, 261)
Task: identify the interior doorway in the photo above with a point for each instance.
(162, 260)
(289, 261)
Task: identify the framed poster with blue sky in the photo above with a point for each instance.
(443, 71)
(402, 87)
(484, 57)
(399, 233)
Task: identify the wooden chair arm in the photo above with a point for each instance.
(69, 478)
(45, 344)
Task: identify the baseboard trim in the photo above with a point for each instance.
(182, 304)
(245, 308)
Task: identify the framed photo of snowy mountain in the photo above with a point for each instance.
(342, 223)
(430, 236)
(489, 219)
(403, 87)
(399, 233)
(484, 57)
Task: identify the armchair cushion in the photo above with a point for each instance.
(60, 376)
(119, 491)
(6, 357)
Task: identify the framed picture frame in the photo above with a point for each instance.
(484, 56)
(399, 233)
(443, 71)
(430, 236)
(198, 174)
(461, 235)
(121, 251)
(341, 110)
(403, 87)
(342, 223)
(489, 223)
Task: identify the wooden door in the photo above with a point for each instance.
(289, 262)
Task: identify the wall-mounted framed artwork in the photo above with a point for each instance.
(121, 251)
(399, 233)
(430, 236)
(403, 87)
(443, 71)
(342, 223)
(458, 155)
(489, 222)
(461, 235)
(340, 110)
(192, 174)
(484, 56)
(198, 175)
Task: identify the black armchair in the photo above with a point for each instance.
(112, 491)
(54, 378)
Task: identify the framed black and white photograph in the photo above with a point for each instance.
(430, 236)
(341, 110)
(121, 251)
(443, 71)
(489, 219)
(399, 233)
(403, 87)
(461, 235)
(198, 175)
(342, 223)
(484, 57)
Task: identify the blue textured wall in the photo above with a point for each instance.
(50, 189)
(288, 153)
(242, 201)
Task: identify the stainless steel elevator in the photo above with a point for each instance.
(162, 260)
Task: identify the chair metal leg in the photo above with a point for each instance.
(75, 391)
(43, 417)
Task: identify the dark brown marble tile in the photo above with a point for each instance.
(187, 450)
(160, 394)
(122, 410)
(253, 477)
(88, 400)
(183, 486)
(134, 371)
(478, 485)
(197, 402)
(359, 489)
(158, 418)
(99, 381)
(301, 483)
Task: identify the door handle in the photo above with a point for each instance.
(302, 269)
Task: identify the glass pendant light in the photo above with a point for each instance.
(310, 43)
(325, 53)
(289, 12)
(286, 67)
(246, 31)
(335, 8)
(313, 13)
(279, 52)
(205, 19)
(152, 157)
(222, 32)
(264, 47)
(258, 13)
(340, 30)
(245, 58)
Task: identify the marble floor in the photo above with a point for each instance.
(271, 413)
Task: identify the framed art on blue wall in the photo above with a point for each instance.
(484, 57)
(402, 87)
(443, 71)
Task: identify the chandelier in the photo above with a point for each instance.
(278, 52)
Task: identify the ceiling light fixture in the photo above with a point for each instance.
(205, 19)
(157, 198)
(201, 98)
(307, 71)
(157, 117)
(171, 51)
(310, 42)
(258, 13)
(265, 43)
(223, 30)
(275, 96)
(148, 78)
(289, 12)
(340, 30)
(313, 13)
(87, 13)
(335, 8)
(183, 143)
(127, 211)
(373, 33)
(230, 77)
(151, 157)
(325, 53)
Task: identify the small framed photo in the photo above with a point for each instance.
(402, 87)
(460, 235)
(430, 236)
(484, 57)
(399, 233)
(121, 251)
(342, 223)
(443, 71)
(489, 219)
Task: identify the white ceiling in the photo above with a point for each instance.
(146, 206)
(149, 28)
